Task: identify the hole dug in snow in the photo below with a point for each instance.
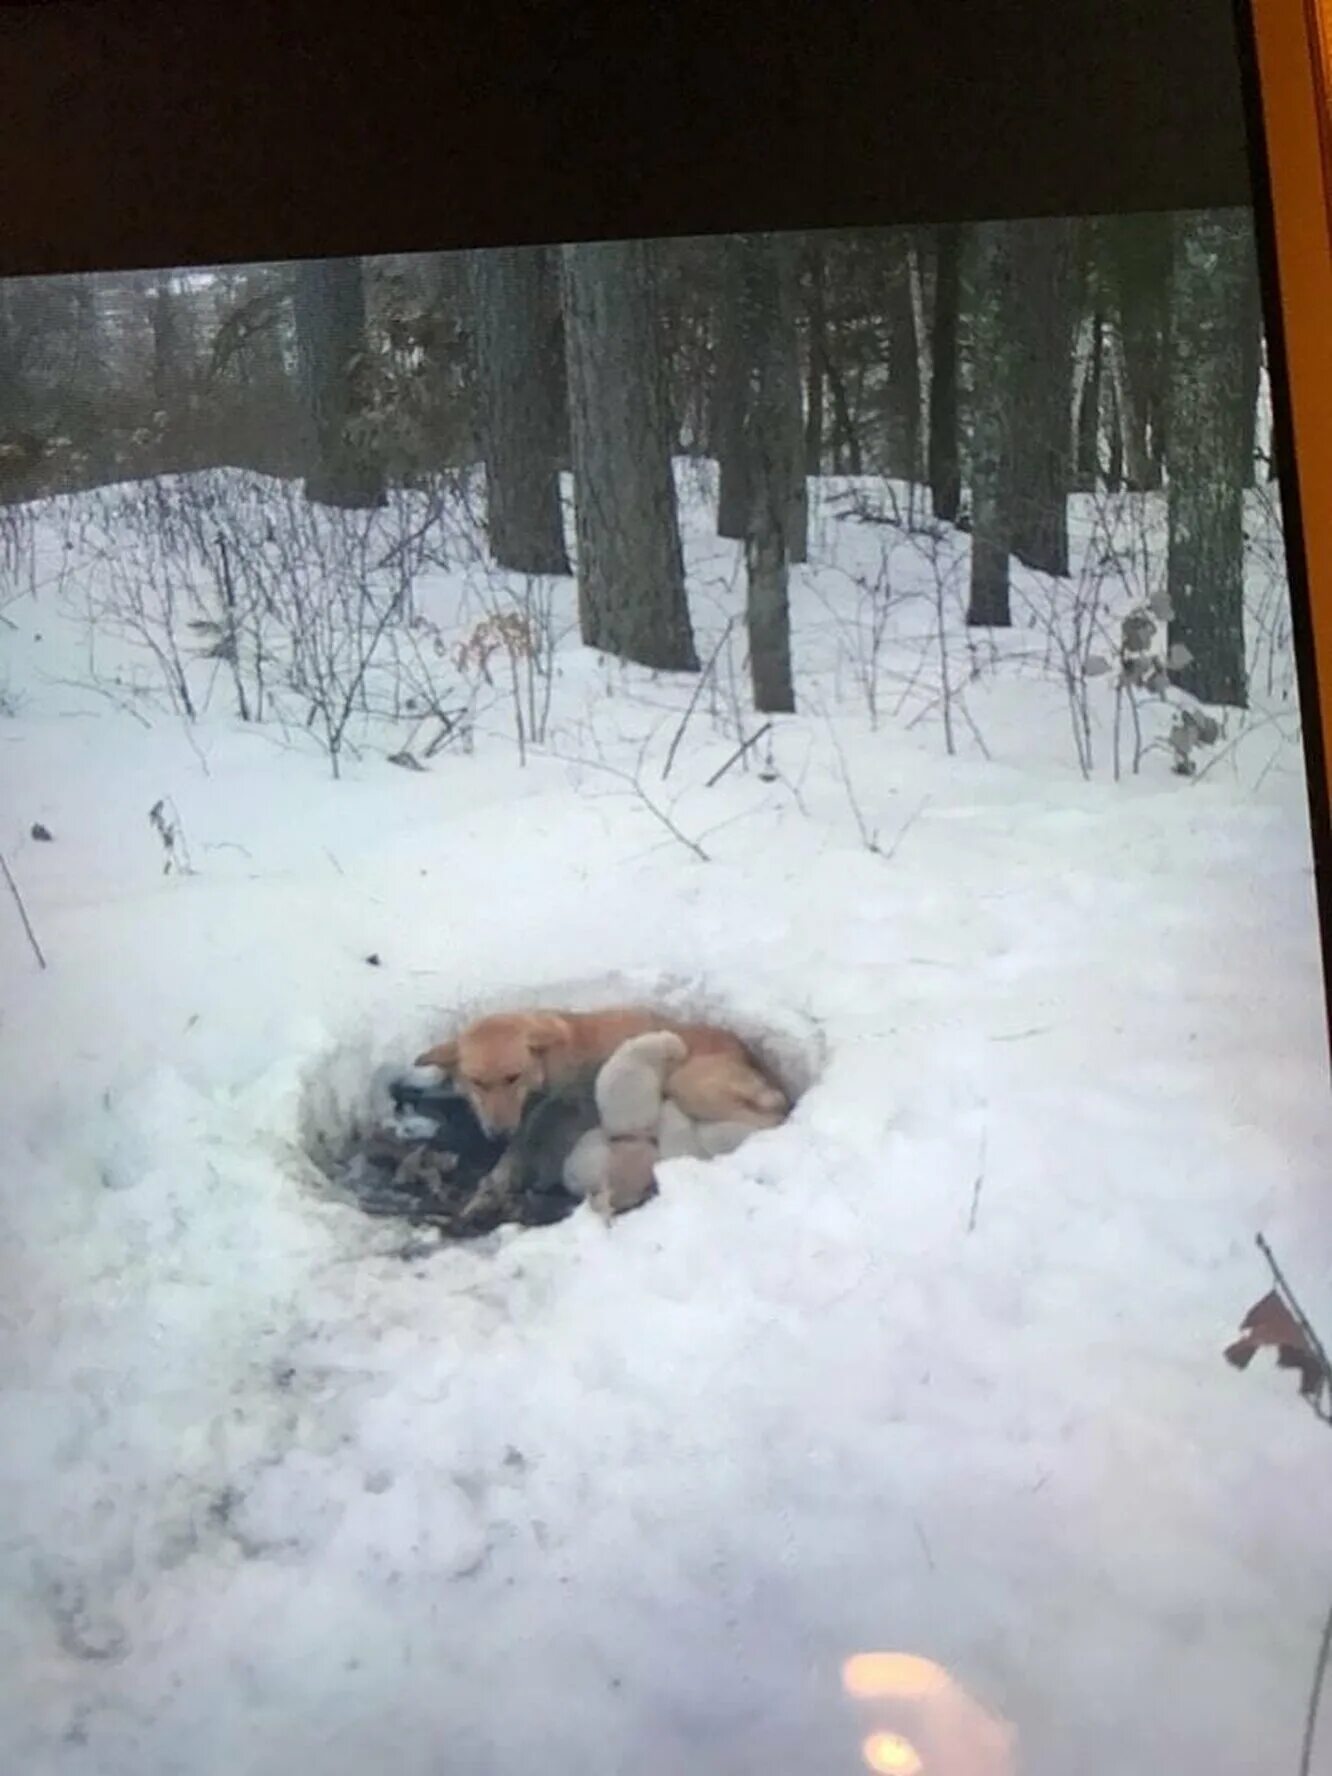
(404, 1143)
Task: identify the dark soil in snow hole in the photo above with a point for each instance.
(423, 1165)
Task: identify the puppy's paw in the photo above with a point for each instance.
(599, 1201)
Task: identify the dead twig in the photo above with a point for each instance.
(976, 1187)
(164, 818)
(869, 836)
(1315, 1696)
(904, 829)
(738, 754)
(23, 912)
(704, 677)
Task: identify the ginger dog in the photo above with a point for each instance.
(499, 1061)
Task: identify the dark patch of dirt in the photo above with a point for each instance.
(424, 1166)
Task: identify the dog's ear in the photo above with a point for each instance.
(443, 1055)
(546, 1030)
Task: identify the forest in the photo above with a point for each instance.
(985, 374)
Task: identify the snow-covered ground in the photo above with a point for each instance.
(935, 1368)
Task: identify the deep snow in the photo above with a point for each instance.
(934, 1368)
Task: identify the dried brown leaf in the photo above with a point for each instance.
(1270, 1325)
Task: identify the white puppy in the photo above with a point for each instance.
(613, 1166)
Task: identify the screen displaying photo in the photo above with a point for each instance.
(665, 1076)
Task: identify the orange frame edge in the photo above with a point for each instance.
(1291, 40)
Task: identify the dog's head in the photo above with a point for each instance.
(499, 1062)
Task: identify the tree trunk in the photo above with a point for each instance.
(848, 458)
(1089, 406)
(920, 323)
(738, 374)
(631, 589)
(1114, 471)
(558, 360)
(1131, 428)
(773, 459)
(991, 426)
(1134, 252)
(1091, 366)
(1252, 343)
(89, 368)
(259, 357)
(167, 367)
(903, 441)
(1275, 453)
(784, 372)
(13, 394)
(519, 397)
(736, 380)
(331, 340)
(816, 327)
(1213, 261)
(13, 404)
(945, 471)
(731, 376)
(1044, 271)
